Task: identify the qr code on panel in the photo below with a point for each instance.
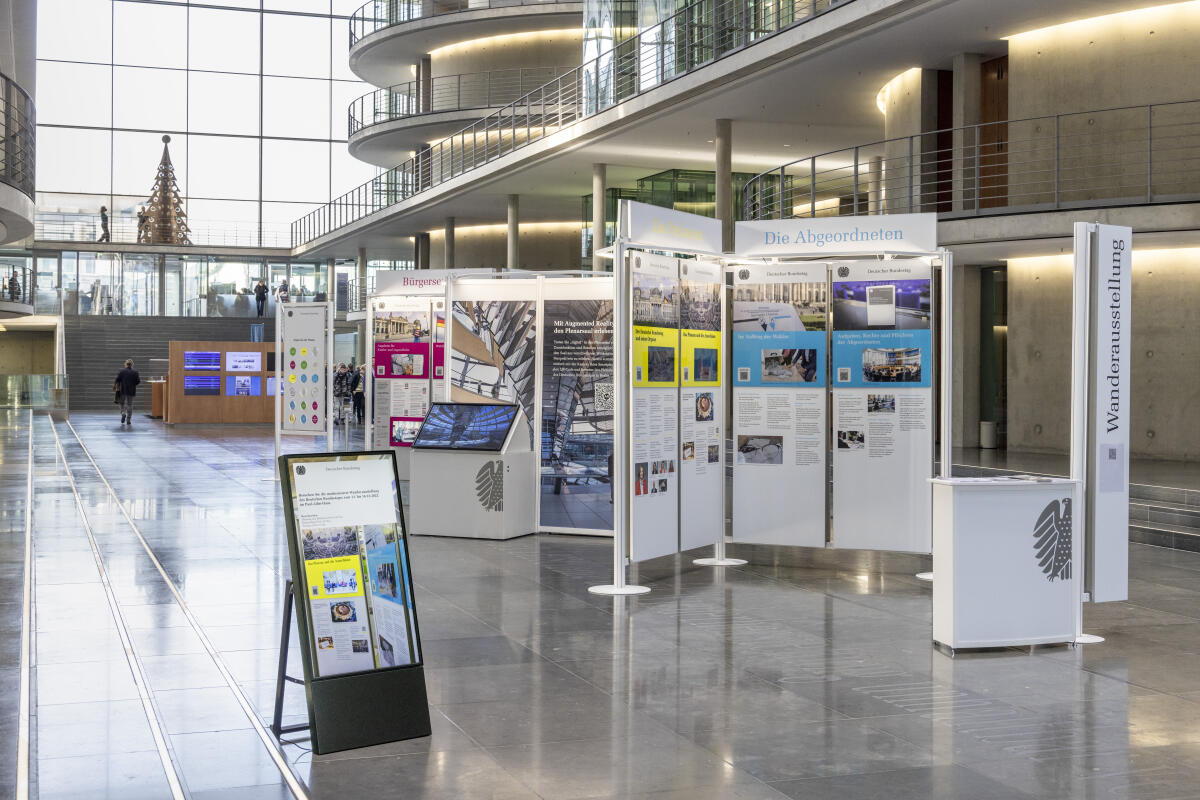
(743, 374)
(843, 374)
(604, 397)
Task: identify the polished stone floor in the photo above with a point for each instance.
(159, 569)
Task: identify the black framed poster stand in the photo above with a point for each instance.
(357, 625)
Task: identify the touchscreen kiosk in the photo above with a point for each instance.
(466, 426)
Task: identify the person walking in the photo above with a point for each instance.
(260, 295)
(125, 386)
(341, 393)
(104, 237)
(143, 233)
(358, 388)
(281, 294)
(14, 287)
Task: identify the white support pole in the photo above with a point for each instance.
(1085, 242)
(621, 408)
(946, 375)
(448, 351)
(720, 559)
(279, 315)
(369, 377)
(538, 389)
(328, 376)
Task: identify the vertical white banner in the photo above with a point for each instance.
(304, 370)
(654, 441)
(779, 323)
(1108, 436)
(701, 404)
(882, 378)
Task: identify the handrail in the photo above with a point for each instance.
(72, 227)
(359, 289)
(468, 91)
(1129, 155)
(18, 137)
(698, 34)
(379, 14)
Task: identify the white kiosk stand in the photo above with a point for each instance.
(469, 488)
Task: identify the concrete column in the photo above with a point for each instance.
(875, 186)
(425, 80)
(514, 232)
(599, 208)
(448, 260)
(967, 346)
(331, 280)
(162, 284)
(724, 157)
(966, 112)
(422, 250)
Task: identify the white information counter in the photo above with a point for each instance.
(1002, 561)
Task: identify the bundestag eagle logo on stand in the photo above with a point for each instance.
(489, 486)
(1052, 539)
(843, 271)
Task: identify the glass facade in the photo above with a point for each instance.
(252, 92)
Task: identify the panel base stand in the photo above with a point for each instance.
(719, 562)
(1088, 638)
(924, 576)
(282, 679)
(619, 590)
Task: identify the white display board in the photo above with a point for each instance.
(701, 403)
(654, 418)
(882, 378)
(305, 334)
(780, 348)
(1104, 259)
(808, 237)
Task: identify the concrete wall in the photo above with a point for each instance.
(1165, 380)
(542, 246)
(910, 100)
(26, 352)
(535, 49)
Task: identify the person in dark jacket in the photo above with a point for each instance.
(104, 237)
(358, 388)
(125, 386)
(341, 393)
(260, 295)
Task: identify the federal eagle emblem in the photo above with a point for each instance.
(1052, 539)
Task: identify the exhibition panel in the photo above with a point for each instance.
(701, 403)
(576, 419)
(357, 621)
(882, 377)
(779, 402)
(304, 348)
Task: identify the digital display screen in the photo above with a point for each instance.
(243, 385)
(202, 385)
(270, 361)
(466, 426)
(201, 359)
(243, 361)
(271, 385)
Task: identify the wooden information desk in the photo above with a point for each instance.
(220, 382)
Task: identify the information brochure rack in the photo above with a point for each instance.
(353, 592)
(473, 468)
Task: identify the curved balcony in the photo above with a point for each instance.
(17, 158)
(387, 124)
(386, 36)
(16, 291)
(1093, 159)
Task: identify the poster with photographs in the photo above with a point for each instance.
(654, 447)
(882, 403)
(350, 555)
(779, 320)
(701, 406)
(401, 368)
(577, 405)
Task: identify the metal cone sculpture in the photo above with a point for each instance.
(166, 221)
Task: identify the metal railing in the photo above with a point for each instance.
(1118, 156)
(18, 124)
(695, 36)
(379, 14)
(65, 227)
(465, 92)
(17, 284)
(358, 290)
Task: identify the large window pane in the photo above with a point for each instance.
(81, 30)
(347, 172)
(292, 170)
(223, 103)
(223, 223)
(74, 94)
(226, 41)
(168, 109)
(295, 45)
(149, 34)
(223, 167)
(71, 160)
(296, 107)
(339, 42)
(135, 161)
(344, 93)
(307, 6)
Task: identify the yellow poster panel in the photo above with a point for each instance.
(332, 578)
(701, 355)
(655, 356)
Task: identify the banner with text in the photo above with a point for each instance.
(701, 403)
(304, 368)
(837, 236)
(882, 377)
(402, 330)
(779, 403)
